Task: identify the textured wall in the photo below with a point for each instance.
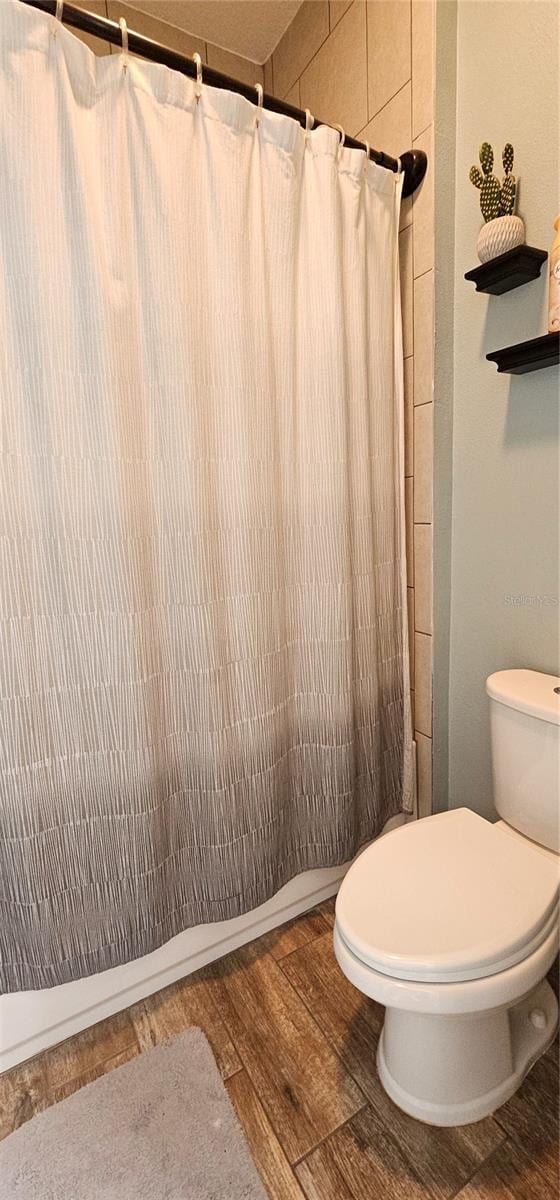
(370, 68)
(505, 469)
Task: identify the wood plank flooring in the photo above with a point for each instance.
(295, 1044)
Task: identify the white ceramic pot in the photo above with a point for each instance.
(499, 236)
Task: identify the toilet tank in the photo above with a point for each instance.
(525, 735)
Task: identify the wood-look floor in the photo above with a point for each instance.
(295, 1044)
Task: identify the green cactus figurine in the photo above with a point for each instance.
(495, 200)
(509, 185)
(486, 156)
(507, 157)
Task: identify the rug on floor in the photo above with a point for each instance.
(161, 1127)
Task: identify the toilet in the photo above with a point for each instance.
(451, 922)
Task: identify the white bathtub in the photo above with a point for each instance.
(32, 1021)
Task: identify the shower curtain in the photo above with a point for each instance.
(203, 660)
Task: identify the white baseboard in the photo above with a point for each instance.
(33, 1021)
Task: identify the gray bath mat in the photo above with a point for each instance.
(159, 1128)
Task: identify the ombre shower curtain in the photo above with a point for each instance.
(203, 660)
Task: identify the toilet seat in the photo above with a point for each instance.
(447, 899)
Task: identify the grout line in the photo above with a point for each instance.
(324, 1139)
(304, 946)
(411, 90)
(412, 289)
(480, 1166)
(313, 56)
(387, 102)
(422, 132)
(232, 1074)
(134, 1044)
(136, 1038)
(422, 273)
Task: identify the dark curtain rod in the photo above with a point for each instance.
(413, 162)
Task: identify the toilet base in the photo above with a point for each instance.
(457, 1069)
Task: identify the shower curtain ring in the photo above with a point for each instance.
(198, 88)
(58, 15)
(342, 139)
(309, 122)
(368, 148)
(260, 95)
(124, 42)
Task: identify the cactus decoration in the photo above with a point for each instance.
(495, 200)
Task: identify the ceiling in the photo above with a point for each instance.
(251, 28)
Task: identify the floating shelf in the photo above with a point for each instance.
(528, 356)
(509, 270)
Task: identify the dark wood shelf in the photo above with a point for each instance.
(509, 270)
(528, 356)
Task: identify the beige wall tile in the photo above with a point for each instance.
(158, 31)
(405, 261)
(408, 417)
(268, 77)
(234, 65)
(337, 9)
(423, 682)
(293, 96)
(98, 45)
(406, 211)
(409, 524)
(423, 346)
(423, 462)
(389, 52)
(410, 613)
(391, 129)
(334, 85)
(424, 773)
(422, 64)
(300, 42)
(99, 7)
(423, 209)
(423, 578)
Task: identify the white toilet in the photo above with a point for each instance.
(451, 922)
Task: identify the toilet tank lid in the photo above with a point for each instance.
(529, 692)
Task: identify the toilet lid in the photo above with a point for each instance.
(448, 898)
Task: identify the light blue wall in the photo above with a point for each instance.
(505, 447)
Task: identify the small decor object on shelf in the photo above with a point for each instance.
(554, 282)
(502, 230)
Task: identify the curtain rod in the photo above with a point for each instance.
(413, 162)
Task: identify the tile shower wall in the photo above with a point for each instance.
(169, 35)
(369, 66)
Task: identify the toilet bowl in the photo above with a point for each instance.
(452, 923)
